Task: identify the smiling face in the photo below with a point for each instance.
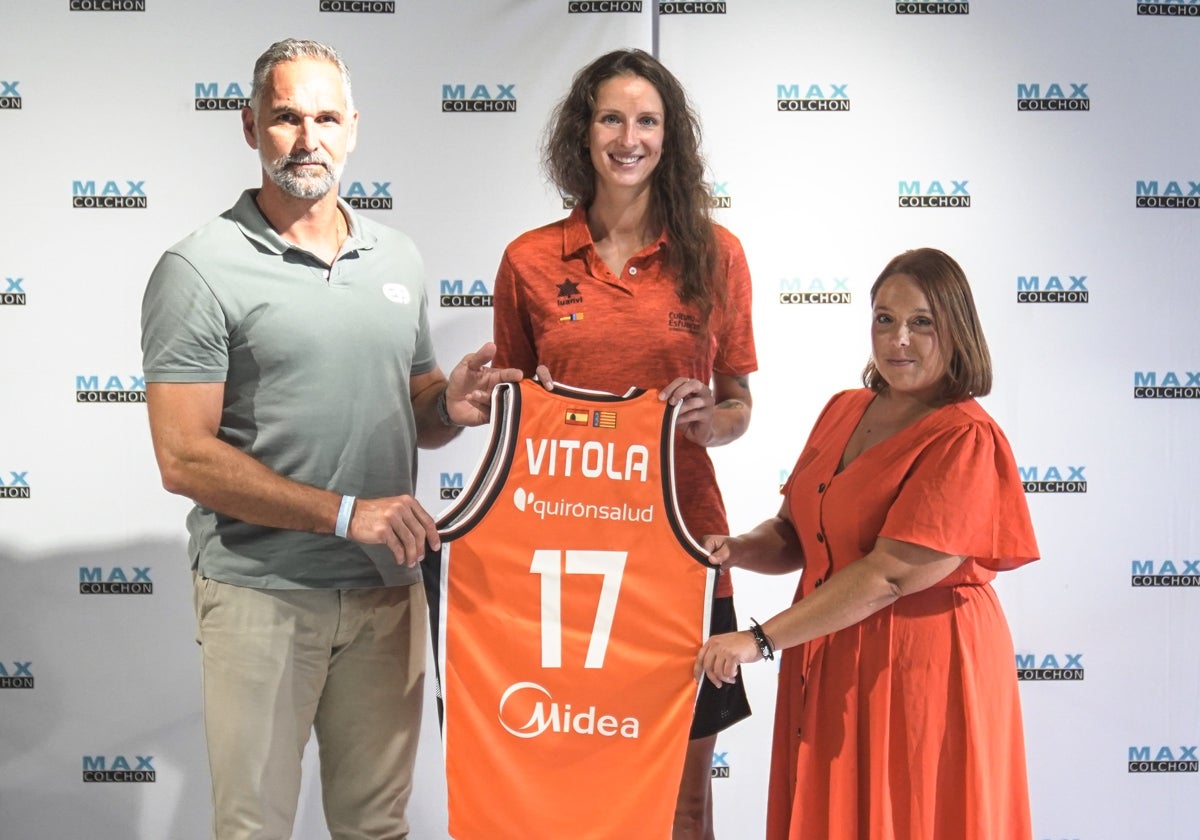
(304, 129)
(905, 341)
(625, 139)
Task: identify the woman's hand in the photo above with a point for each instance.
(696, 411)
(721, 656)
(542, 374)
(720, 549)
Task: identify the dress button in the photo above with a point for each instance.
(820, 537)
(632, 270)
(819, 582)
(821, 488)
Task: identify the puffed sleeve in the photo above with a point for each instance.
(963, 495)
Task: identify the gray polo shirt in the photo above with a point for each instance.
(316, 363)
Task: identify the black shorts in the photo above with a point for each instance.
(720, 708)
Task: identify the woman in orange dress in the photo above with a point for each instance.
(898, 716)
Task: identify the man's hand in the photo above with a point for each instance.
(469, 386)
(399, 522)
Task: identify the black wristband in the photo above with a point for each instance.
(760, 638)
(443, 412)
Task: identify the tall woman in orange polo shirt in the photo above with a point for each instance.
(898, 715)
(639, 287)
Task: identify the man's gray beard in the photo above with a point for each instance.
(298, 185)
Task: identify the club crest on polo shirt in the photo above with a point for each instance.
(687, 322)
(396, 293)
(568, 293)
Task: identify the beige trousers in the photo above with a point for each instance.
(279, 664)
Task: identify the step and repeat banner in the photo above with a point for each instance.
(1051, 147)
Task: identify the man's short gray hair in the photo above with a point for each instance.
(292, 49)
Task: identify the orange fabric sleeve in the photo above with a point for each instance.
(964, 496)
(510, 327)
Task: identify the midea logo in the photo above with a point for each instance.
(548, 716)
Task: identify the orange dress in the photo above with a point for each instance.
(907, 725)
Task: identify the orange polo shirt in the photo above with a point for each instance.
(556, 302)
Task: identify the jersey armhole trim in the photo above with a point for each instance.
(491, 473)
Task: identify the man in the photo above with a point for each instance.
(291, 376)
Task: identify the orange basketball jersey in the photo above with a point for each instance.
(567, 603)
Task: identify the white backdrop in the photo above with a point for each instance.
(821, 120)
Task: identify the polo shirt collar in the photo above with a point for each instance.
(578, 237)
(255, 227)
